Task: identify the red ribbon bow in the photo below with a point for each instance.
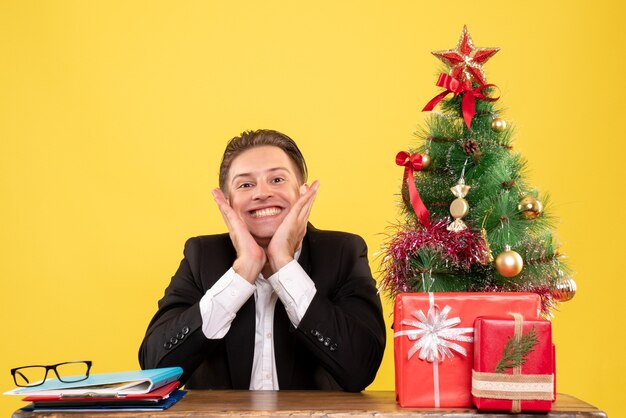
(412, 163)
(452, 85)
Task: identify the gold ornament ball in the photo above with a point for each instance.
(565, 289)
(530, 207)
(498, 125)
(509, 263)
(425, 160)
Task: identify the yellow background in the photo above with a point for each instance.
(114, 114)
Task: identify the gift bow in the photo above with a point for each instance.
(412, 163)
(436, 333)
(452, 85)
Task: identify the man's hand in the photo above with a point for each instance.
(250, 256)
(290, 233)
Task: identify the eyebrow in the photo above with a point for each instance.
(250, 174)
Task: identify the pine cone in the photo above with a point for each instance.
(470, 146)
(509, 184)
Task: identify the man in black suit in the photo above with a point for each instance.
(275, 303)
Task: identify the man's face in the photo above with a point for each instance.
(262, 188)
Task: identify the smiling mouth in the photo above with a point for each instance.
(262, 213)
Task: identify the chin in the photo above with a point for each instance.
(262, 235)
(264, 229)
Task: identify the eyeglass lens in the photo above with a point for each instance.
(72, 371)
(30, 376)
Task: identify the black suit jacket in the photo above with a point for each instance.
(338, 344)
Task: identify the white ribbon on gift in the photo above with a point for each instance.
(434, 337)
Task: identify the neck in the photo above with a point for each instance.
(267, 271)
(264, 243)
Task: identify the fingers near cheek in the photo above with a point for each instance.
(306, 188)
(306, 207)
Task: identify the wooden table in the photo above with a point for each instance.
(320, 404)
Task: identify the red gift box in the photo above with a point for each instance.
(527, 387)
(433, 349)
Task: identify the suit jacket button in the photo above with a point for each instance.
(320, 338)
(180, 335)
(167, 345)
(315, 332)
(327, 342)
(185, 330)
(333, 347)
(174, 340)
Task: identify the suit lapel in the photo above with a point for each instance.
(284, 347)
(240, 345)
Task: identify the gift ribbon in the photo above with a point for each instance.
(513, 387)
(516, 386)
(412, 163)
(434, 337)
(516, 406)
(453, 85)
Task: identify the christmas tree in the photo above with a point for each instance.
(471, 221)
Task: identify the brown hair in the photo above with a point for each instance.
(260, 137)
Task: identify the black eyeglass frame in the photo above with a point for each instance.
(52, 367)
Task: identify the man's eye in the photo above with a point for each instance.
(244, 186)
(278, 180)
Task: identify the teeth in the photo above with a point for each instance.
(265, 212)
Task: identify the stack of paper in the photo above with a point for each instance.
(141, 390)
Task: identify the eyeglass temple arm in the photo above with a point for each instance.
(23, 377)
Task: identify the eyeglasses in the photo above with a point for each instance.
(67, 372)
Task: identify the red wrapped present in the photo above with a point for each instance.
(513, 364)
(433, 349)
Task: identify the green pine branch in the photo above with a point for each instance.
(515, 352)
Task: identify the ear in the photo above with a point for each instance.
(225, 194)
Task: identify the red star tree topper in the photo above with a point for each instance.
(466, 61)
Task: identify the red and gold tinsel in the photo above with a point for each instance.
(461, 249)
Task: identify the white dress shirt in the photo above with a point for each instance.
(220, 304)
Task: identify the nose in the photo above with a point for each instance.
(262, 191)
